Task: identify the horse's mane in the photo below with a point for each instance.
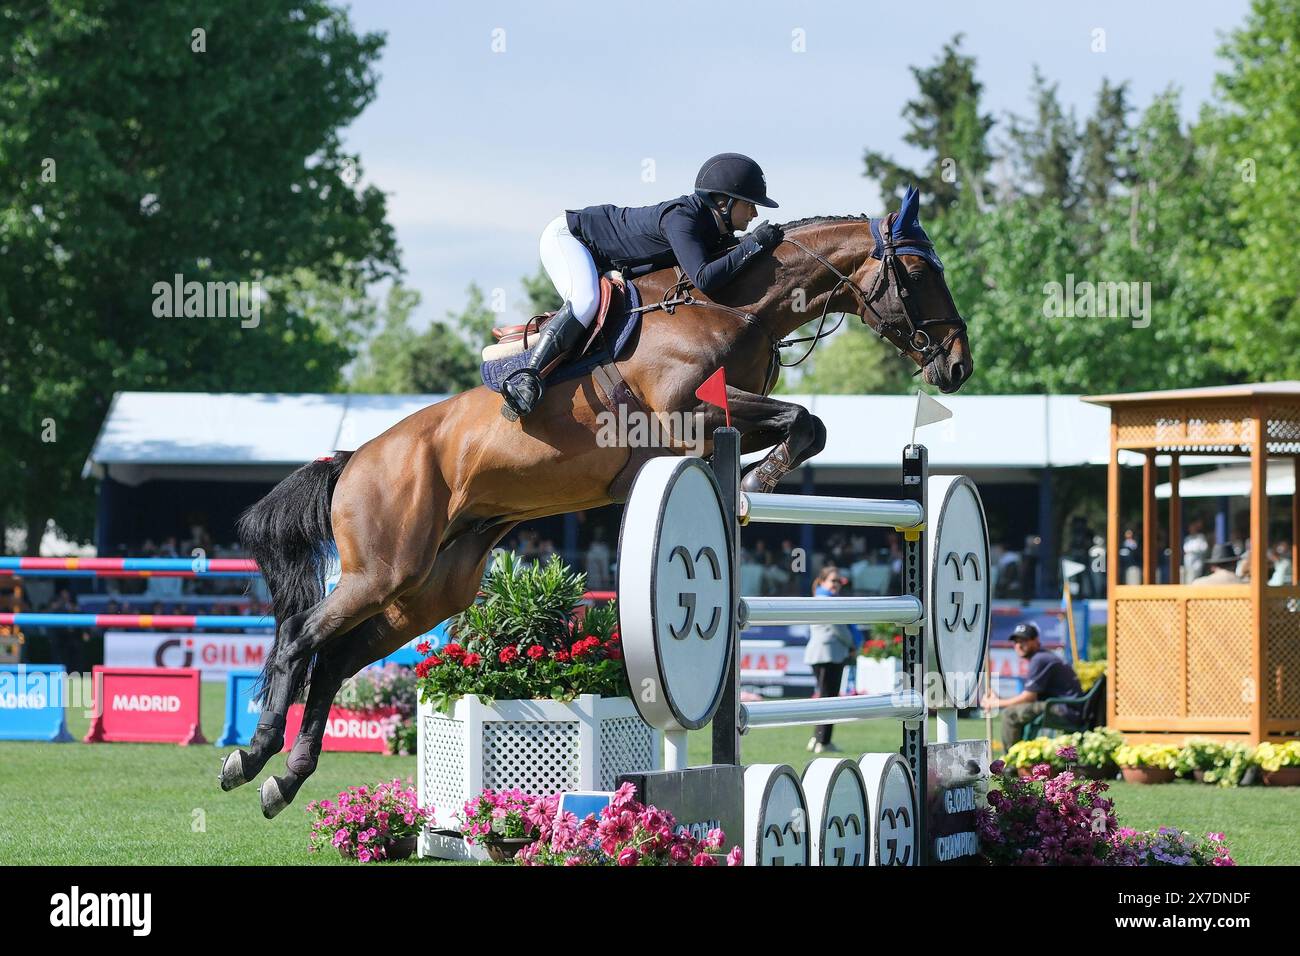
(823, 220)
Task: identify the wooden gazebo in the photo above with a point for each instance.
(1216, 661)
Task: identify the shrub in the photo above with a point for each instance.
(1224, 764)
(525, 641)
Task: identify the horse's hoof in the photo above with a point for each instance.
(232, 771)
(273, 800)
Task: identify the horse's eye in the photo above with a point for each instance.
(915, 276)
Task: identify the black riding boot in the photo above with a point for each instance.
(523, 387)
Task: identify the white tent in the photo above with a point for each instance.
(1232, 481)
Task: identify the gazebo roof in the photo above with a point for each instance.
(1210, 393)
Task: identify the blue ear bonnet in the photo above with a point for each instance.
(907, 226)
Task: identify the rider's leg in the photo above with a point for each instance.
(573, 271)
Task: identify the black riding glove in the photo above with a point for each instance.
(768, 236)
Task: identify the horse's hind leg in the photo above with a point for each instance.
(333, 665)
(357, 598)
(451, 588)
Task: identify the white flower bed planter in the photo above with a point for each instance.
(877, 677)
(537, 746)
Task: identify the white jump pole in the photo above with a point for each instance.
(675, 750)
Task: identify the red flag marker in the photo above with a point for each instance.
(714, 391)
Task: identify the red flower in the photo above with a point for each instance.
(585, 647)
(422, 668)
(424, 647)
(613, 653)
(898, 638)
(508, 654)
(454, 651)
(561, 656)
(536, 652)
(469, 660)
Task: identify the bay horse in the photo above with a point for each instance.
(415, 512)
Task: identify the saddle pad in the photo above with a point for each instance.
(620, 323)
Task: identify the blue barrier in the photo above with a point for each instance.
(241, 710)
(31, 702)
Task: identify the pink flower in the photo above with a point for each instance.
(703, 859)
(628, 857)
(735, 857)
(364, 855)
(715, 839)
(679, 853)
(623, 795)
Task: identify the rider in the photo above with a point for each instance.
(689, 231)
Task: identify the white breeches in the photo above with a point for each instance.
(572, 269)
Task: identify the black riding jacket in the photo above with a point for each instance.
(681, 231)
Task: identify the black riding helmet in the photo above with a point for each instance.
(735, 176)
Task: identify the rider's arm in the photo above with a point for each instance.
(689, 239)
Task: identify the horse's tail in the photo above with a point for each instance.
(289, 532)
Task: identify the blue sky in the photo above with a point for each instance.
(478, 149)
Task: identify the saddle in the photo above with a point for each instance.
(610, 336)
(513, 339)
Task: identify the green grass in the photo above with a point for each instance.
(127, 804)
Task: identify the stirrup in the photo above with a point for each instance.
(509, 409)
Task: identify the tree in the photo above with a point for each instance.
(945, 122)
(1043, 149)
(444, 358)
(1250, 143)
(200, 141)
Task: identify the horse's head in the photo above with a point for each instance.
(908, 302)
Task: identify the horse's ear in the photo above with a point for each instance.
(906, 220)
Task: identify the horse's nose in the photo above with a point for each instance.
(957, 373)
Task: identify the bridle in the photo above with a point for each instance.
(907, 333)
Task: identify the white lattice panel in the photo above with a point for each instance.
(538, 757)
(624, 742)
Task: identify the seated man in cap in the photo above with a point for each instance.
(1222, 564)
(1049, 676)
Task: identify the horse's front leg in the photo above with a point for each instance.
(792, 432)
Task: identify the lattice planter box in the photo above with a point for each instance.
(537, 746)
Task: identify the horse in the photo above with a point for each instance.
(415, 512)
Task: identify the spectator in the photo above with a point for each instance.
(1130, 559)
(1049, 676)
(1222, 560)
(1195, 548)
(1281, 576)
(67, 643)
(829, 647)
(598, 558)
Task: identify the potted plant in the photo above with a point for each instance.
(1147, 763)
(527, 696)
(390, 690)
(879, 660)
(1044, 821)
(1026, 755)
(369, 824)
(1168, 846)
(504, 823)
(1280, 763)
(1096, 749)
(1209, 761)
(625, 834)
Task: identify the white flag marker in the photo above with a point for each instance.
(928, 411)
